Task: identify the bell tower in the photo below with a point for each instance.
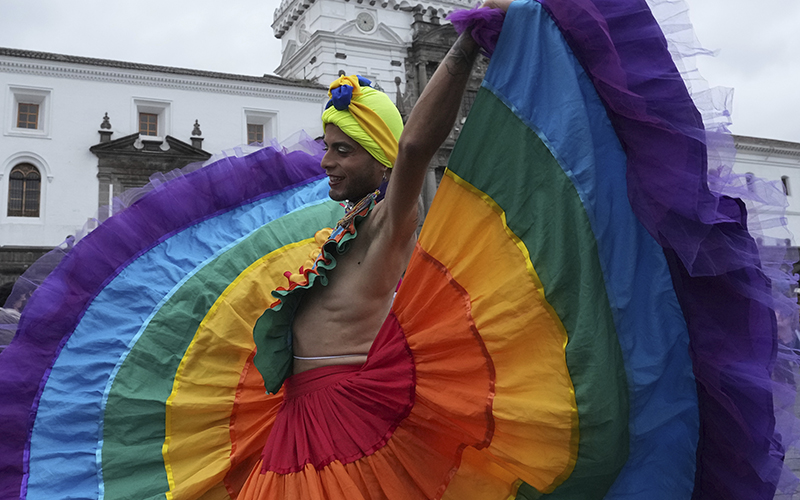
(321, 38)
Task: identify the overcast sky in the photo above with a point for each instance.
(758, 44)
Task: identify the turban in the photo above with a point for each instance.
(366, 115)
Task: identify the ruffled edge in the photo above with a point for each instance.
(272, 332)
(325, 262)
(766, 205)
(233, 178)
(484, 25)
(670, 145)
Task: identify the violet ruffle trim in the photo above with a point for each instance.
(766, 205)
(298, 142)
(724, 289)
(163, 208)
(483, 24)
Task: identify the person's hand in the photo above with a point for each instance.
(497, 4)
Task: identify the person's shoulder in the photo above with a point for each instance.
(377, 216)
(377, 225)
(378, 211)
(380, 231)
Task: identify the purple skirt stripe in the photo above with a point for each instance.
(714, 261)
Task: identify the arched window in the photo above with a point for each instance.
(24, 188)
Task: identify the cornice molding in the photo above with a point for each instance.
(767, 147)
(388, 34)
(326, 41)
(152, 80)
(767, 150)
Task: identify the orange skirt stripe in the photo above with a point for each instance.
(534, 409)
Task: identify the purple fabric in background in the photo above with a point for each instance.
(58, 304)
(484, 26)
(726, 298)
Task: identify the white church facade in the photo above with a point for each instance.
(777, 163)
(320, 38)
(55, 108)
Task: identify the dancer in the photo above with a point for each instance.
(328, 317)
(581, 316)
(336, 324)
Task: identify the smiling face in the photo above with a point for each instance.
(352, 172)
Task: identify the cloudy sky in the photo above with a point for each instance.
(758, 44)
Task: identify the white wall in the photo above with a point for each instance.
(770, 161)
(80, 94)
(318, 31)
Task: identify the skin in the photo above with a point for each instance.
(352, 172)
(345, 316)
(351, 309)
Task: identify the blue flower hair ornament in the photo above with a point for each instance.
(343, 94)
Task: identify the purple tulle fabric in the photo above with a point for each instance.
(24, 288)
(299, 141)
(35, 275)
(483, 24)
(226, 181)
(727, 289)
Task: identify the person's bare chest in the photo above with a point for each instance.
(355, 279)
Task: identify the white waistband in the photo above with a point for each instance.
(312, 358)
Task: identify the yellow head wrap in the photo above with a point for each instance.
(366, 115)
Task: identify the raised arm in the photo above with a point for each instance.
(430, 122)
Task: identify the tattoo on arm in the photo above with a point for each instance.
(461, 56)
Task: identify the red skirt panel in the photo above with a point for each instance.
(343, 412)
